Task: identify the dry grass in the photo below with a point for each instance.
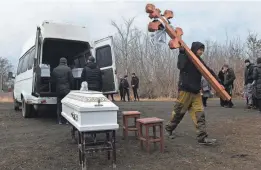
(6, 97)
(6, 100)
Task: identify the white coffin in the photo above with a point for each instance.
(77, 72)
(84, 112)
(45, 70)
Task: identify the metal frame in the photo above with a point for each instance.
(87, 146)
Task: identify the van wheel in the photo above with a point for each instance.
(16, 105)
(26, 109)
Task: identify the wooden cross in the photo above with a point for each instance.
(177, 42)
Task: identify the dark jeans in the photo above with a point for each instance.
(204, 101)
(255, 102)
(112, 98)
(126, 91)
(222, 102)
(60, 118)
(121, 93)
(229, 103)
(135, 92)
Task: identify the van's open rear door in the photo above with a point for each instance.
(36, 67)
(105, 59)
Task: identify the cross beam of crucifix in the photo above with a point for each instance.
(177, 42)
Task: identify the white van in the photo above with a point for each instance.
(41, 54)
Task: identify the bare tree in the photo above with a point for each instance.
(124, 39)
(5, 67)
(254, 46)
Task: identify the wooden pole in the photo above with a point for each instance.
(177, 42)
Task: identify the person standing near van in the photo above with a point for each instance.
(62, 77)
(135, 86)
(126, 88)
(92, 75)
(121, 88)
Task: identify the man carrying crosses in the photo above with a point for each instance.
(189, 98)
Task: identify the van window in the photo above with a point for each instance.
(25, 62)
(103, 56)
(19, 67)
(31, 59)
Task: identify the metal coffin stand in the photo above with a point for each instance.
(87, 147)
(90, 113)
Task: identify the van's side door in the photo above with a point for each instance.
(105, 59)
(36, 67)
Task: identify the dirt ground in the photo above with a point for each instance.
(41, 144)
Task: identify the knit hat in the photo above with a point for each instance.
(247, 61)
(63, 60)
(91, 59)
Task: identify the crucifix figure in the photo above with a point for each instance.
(191, 67)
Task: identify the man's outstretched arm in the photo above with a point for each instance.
(182, 59)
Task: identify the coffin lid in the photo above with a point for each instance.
(88, 101)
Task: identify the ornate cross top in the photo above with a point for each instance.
(161, 22)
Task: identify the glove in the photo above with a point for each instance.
(181, 50)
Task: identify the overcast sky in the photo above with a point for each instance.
(199, 20)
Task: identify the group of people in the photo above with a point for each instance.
(195, 90)
(252, 85)
(252, 91)
(124, 87)
(62, 77)
(226, 77)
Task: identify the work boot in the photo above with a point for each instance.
(169, 133)
(207, 141)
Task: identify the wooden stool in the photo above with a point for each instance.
(150, 122)
(126, 116)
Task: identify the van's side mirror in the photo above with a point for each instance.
(14, 75)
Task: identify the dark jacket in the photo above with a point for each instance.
(249, 74)
(190, 76)
(229, 78)
(126, 84)
(93, 76)
(221, 77)
(135, 82)
(257, 79)
(63, 79)
(121, 84)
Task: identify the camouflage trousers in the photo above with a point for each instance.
(193, 104)
(249, 93)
